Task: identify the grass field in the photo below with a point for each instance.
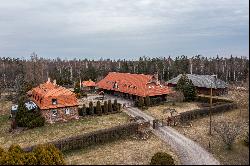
(239, 155)
(128, 151)
(157, 111)
(56, 131)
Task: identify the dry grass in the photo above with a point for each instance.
(5, 107)
(157, 111)
(129, 151)
(199, 133)
(58, 130)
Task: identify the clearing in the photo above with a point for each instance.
(52, 132)
(239, 155)
(129, 151)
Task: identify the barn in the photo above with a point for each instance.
(133, 86)
(203, 84)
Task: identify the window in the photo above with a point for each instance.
(54, 101)
(67, 111)
(54, 112)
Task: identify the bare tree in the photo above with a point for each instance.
(228, 131)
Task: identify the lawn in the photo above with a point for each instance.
(157, 111)
(128, 151)
(239, 155)
(51, 132)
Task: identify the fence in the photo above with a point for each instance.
(96, 137)
(206, 99)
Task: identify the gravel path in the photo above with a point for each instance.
(189, 152)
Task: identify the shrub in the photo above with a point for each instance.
(91, 108)
(41, 155)
(48, 155)
(105, 107)
(147, 101)
(80, 112)
(84, 111)
(98, 108)
(26, 118)
(246, 140)
(115, 105)
(141, 102)
(110, 109)
(161, 158)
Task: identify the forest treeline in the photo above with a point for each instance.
(14, 72)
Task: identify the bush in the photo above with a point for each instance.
(91, 108)
(98, 108)
(115, 105)
(48, 155)
(140, 102)
(161, 158)
(105, 107)
(147, 101)
(110, 109)
(26, 118)
(41, 155)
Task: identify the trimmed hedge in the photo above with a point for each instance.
(194, 114)
(95, 137)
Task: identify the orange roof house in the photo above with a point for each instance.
(134, 84)
(89, 83)
(55, 101)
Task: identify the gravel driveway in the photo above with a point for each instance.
(189, 152)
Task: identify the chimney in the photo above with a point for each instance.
(156, 80)
(48, 79)
(54, 82)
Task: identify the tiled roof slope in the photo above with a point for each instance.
(135, 84)
(88, 83)
(43, 94)
(201, 81)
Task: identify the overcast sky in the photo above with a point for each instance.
(123, 28)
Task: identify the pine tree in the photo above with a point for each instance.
(91, 108)
(98, 108)
(110, 109)
(186, 86)
(105, 107)
(147, 101)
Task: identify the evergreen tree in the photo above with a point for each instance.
(98, 108)
(91, 108)
(110, 109)
(105, 107)
(186, 86)
(147, 101)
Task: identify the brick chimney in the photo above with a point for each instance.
(155, 79)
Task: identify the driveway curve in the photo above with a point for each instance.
(189, 152)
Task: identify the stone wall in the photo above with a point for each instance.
(60, 115)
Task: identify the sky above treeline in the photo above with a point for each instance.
(123, 29)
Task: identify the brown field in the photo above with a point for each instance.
(157, 111)
(51, 132)
(128, 151)
(239, 155)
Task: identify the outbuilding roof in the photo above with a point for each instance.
(89, 83)
(135, 84)
(205, 81)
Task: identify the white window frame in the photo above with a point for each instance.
(67, 111)
(54, 113)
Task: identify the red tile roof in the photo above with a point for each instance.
(43, 94)
(88, 83)
(135, 84)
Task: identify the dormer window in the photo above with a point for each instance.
(54, 101)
